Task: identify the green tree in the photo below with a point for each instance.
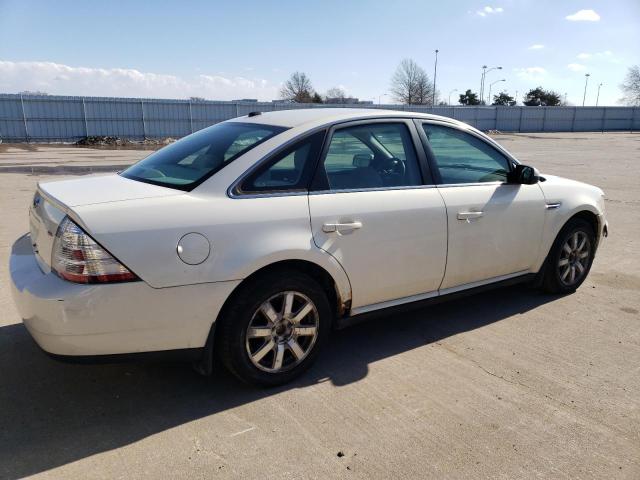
(541, 97)
(316, 98)
(469, 98)
(503, 98)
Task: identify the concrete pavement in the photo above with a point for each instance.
(507, 384)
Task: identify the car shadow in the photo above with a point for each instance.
(52, 413)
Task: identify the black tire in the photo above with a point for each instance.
(557, 279)
(232, 343)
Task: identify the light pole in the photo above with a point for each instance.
(598, 96)
(491, 86)
(516, 99)
(380, 97)
(586, 81)
(435, 74)
(484, 74)
(454, 90)
(565, 99)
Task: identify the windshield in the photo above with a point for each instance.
(190, 161)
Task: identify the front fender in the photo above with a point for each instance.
(565, 199)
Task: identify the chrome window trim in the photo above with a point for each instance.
(473, 184)
(372, 189)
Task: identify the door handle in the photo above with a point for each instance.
(339, 227)
(469, 215)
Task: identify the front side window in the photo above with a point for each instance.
(375, 155)
(289, 170)
(189, 161)
(462, 158)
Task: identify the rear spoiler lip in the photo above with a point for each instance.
(68, 211)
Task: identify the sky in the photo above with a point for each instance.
(223, 50)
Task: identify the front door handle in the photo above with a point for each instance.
(469, 215)
(340, 227)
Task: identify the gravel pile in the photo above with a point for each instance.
(117, 141)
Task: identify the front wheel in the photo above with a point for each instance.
(274, 328)
(570, 258)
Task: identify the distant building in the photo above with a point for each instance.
(350, 100)
(246, 100)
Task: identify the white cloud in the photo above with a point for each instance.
(530, 73)
(606, 55)
(55, 78)
(536, 46)
(489, 11)
(583, 16)
(576, 67)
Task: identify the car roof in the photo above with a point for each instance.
(311, 117)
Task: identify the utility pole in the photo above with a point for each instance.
(516, 99)
(484, 71)
(598, 96)
(586, 81)
(435, 74)
(484, 75)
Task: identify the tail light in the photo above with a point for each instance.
(78, 258)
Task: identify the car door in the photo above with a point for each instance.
(373, 208)
(495, 227)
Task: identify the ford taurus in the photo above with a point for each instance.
(248, 241)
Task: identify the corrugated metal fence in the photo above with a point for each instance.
(66, 119)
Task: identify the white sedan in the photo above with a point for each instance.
(251, 239)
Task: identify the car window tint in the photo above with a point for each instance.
(288, 170)
(185, 163)
(463, 158)
(376, 155)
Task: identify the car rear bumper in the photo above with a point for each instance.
(69, 319)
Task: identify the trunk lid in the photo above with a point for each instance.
(102, 189)
(54, 200)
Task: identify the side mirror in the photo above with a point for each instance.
(524, 175)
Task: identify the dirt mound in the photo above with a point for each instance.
(118, 142)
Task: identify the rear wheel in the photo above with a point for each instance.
(274, 328)
(570, 258)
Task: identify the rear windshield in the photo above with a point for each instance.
(191, 160)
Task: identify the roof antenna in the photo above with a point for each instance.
(254, 114)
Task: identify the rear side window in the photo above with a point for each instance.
(289, 170)
(463, 158)
(191, 160)
(375, 155)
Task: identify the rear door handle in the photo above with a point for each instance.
(340, 227)
(469, 215)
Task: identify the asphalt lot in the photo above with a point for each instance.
(508, 384)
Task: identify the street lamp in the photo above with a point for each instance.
(598, 96)
(380, 97)
(435, 74)
(586, 81)
(492, 84)
(484, 74)
(454, 90)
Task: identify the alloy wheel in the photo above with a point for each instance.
(574, 258)
(282, 332)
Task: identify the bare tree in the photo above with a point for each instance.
(298, 88)
(336, 95)
(410, 84)
(631, 86)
